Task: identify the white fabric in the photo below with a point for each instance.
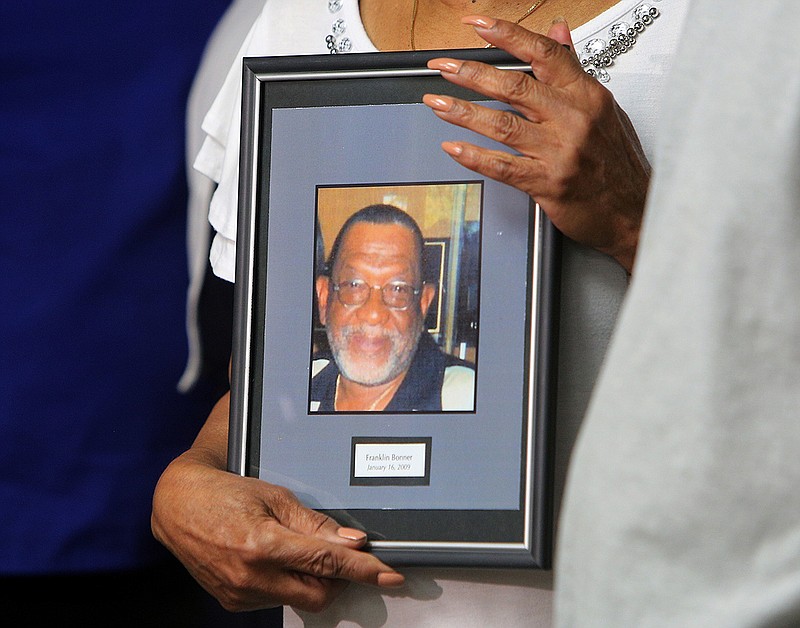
(682, 507)
(300, 27)
(217, 58)
(592, 289)
(458, 385)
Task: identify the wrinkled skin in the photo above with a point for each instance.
(574, 149)
(251, 544)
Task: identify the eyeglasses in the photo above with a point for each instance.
(396, 295)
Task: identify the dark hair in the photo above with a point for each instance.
(378, 215)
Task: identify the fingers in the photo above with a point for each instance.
(282, 504)
(516, 170)
(315, 544)
(255, 587)
(312, 572)
(515, 88)
(560, 80)
(559, 31)
(501, 125)
(326, 560)
(301, 571)
(253, 545)
(550, 61)
(553, 61)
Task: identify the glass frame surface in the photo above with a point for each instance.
(479, 490)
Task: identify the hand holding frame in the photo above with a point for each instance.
(575, 150)
(252, 544)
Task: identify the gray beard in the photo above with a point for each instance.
(402, 353)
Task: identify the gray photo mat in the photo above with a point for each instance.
(477, 459)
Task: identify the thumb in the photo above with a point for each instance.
(288, 510)
(559, 30)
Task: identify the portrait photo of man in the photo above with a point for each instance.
(373, 299)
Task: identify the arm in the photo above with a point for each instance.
(249, 543)
(575, 150)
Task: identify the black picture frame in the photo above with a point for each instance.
(483, 495)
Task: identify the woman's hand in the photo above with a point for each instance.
(575, 150)
(252, 544)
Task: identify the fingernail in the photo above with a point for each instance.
(479, 21)
(439, 103)
(559, 20)
(351, 534)
(452, 148)
(390, 579)
(451, 66)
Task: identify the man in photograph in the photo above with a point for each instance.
(373, 300)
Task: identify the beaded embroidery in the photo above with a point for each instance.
(596, 55)
(337, 41)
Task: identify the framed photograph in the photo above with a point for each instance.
(394, 354)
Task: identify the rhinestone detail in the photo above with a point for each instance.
(598, 54)
(335, 42)
(339, 27)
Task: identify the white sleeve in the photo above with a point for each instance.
(214, 67)
(218, 160)
(281, 28)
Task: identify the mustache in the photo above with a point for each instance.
(348, 331)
